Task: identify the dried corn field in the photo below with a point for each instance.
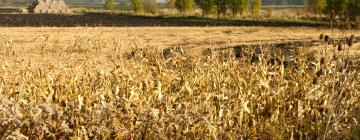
(123, 83)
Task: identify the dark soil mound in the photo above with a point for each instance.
(122, 20)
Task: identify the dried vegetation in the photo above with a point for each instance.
(148, 93)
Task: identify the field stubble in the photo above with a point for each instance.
(113, 83)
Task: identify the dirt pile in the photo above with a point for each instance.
(49, 6)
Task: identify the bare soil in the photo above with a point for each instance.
(124, 20)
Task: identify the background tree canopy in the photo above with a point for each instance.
(97, 2)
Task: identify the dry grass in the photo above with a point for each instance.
(65, 83)
(194, 40)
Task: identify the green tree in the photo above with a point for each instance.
(238, 6)
(353, 9)
(256, 7)
(206, 6)
(317, 5)
(109, 4)
(137, 6)
(221, 7)
(184, 6)
(336, 6)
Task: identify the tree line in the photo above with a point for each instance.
(218, 7)
(349, 9)
(345, 9)
(340, 9)
(99, 2)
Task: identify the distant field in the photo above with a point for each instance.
(193, 39)
(162, 37)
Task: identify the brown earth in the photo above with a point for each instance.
(123, 20)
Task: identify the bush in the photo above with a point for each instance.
(317, 6)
